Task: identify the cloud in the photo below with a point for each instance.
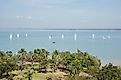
(24, 17)
(29, 17)
(19, 17)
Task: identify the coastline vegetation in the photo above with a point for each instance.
(39, 64)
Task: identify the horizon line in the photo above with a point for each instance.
(66, 28)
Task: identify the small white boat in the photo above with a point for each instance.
(26, 34)
(17, 35)
(93, 36)
(10, 36)
(103, 37)
(108, 37)
(75, 36)
(62, 36)
(50, 37)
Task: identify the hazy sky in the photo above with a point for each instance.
(60, 13)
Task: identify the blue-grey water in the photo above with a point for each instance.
(105, 44)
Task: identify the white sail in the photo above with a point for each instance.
(62, 36)
(75, 36)
(10, 36)
(104, 37)
(93, 36)
(17, 35)
(108, 37)
(50, 37)
(26, 34)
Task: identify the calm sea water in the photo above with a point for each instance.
(105, 44)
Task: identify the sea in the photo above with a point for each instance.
(105, 44)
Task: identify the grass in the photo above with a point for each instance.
(39, 76)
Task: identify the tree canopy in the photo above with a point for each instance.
(73, 64)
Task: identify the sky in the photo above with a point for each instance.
(79, 14)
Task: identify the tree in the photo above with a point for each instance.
(30, 58)
(2, 54)
(41, 56)
(56, 59)
(7, 62)
(22, 57)
(109, 72)
(29, 74)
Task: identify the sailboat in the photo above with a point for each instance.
(17, 35)
(104, 37)
(26, 34)
(50, 37)
(93, 36)
(108, 37)
(62, 36)
(75, 36)
(10, 36)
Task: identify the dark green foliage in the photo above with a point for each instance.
(70, 63)
(48, 78)
(109, 72)
(28, 75)
(7, 63)
(41, 56)
(10, 77)
(76, 62)
(22, 56)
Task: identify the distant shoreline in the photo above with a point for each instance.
(56, 29)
